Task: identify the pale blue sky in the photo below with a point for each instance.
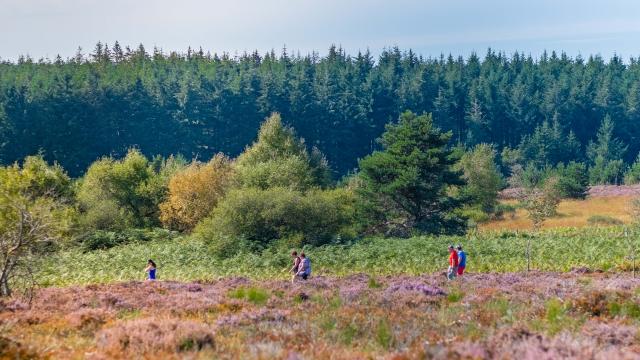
(44, 28)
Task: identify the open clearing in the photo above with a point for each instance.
(571, 213)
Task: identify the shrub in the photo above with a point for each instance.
(121, 193)
(631, 309)
(194, 192)
(105, 214)
(455, 296)
(253, 218)
(482, 176)
(476, 215)
(89, 320)
(292, 172)
(556, 315)
(41, 179)
(594, 303)
(280, 159)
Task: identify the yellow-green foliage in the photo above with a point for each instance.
(482, 176)
(33, 215)
(115, 194)
(194, 191)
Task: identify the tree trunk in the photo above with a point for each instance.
(4, 286)
(4, 277)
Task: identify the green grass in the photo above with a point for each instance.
(254, 295)
(183, 259)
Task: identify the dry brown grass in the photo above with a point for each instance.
(571, 213)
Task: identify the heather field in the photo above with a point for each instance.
(540, 315)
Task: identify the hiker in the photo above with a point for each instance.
(462, 260)
(453, 263)
(296, 265)
(151, 269)
(304, 270)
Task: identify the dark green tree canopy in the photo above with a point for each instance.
(196, 104)
(548, 145)
(406, 185)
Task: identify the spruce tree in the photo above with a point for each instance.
(605, 155)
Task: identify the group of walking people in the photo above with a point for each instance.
(301, 268)
(457, 262)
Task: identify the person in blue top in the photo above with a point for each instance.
(462, 260)
(151, 269)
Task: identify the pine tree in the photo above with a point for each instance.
(404, 186)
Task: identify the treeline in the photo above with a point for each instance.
(542, 111)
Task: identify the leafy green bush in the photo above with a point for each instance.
(482, 176)
(372, 283)
(476, 215)
(115, 194)
(253, 218)
(280, 159)
(292, 172)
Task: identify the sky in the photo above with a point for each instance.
(46, 28)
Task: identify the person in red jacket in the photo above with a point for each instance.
(453, 263)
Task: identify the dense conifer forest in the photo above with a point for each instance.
(73, 111)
